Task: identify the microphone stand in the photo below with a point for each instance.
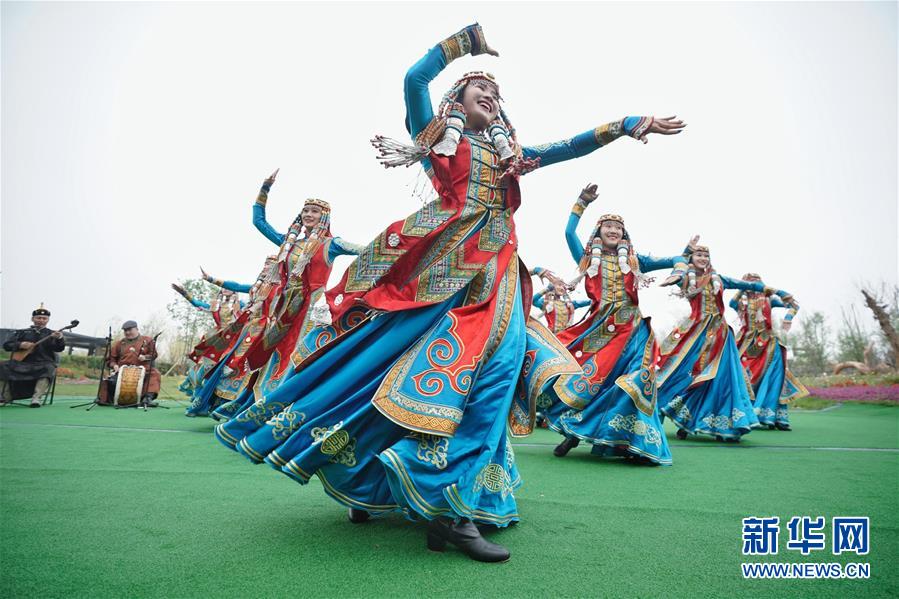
(106, 355)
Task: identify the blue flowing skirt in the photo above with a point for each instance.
(768, 408)
(611, 421)
(204, 399)
(322, 422)
(721, 406)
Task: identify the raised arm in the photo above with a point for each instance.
(586, 197)
(189, 297)
(419, 110)
(229, 285)
(259, 220)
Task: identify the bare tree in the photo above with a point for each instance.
(882, 315)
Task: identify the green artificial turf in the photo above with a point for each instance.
(127, 503)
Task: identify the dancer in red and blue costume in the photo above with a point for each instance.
(307, 255)
(703, 387)
(764, 355)
(224, 310)
(615, 346)
(433, 360)
(555, 303)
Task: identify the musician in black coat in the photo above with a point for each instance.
(39, 366)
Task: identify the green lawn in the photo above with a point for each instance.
(127, 503)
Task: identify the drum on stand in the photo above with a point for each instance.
(129, 385)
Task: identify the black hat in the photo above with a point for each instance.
(41, 311)
(129, 324)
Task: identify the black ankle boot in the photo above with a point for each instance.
(783, 427)
(565, 446)
(358, 516)
(465, 536)
(681, 434)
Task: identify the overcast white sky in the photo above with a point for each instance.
(135, 137)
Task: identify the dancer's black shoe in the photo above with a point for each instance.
(681, 434)
(467, 539)
(781, 426)
(565, 446)
(358, 516)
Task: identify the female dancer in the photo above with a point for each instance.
(433, 359)
(308, 251)
(224, 310)
(222, 385)
(557, 305)
(764, 355)
(615, 346)
(702, 385)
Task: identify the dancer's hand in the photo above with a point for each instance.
(589, 194)
(181, 290)
(669, 125)
(670, 280)
(270, 181)
(694, 241)
(786, 325)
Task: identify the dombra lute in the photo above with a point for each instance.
(20, 355)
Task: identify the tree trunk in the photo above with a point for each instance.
(883, 320)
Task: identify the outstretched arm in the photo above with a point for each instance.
(229, 285)
(259, 220)
(580, 145)
(189, 297)
(758, 286)
(581, 303)
(651, 263)
(342, 247)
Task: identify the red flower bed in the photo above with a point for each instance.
(860, 393)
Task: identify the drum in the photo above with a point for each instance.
(129, 385)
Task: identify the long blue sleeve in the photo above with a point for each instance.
(419, 110)
(574, 244)
(582, 303)
(262, 225)
(341, 247)
(235, 287)
(776, 302)
(538, 299)
(199, 303)
(651, 263)
(731, 283)
(583, 143)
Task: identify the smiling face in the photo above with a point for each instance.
(311, 215)
(481, 102)
(610, 233)
(700, 259)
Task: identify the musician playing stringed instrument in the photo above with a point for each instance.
(34, 358)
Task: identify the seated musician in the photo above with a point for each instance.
(38, 368)
(133, 349)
